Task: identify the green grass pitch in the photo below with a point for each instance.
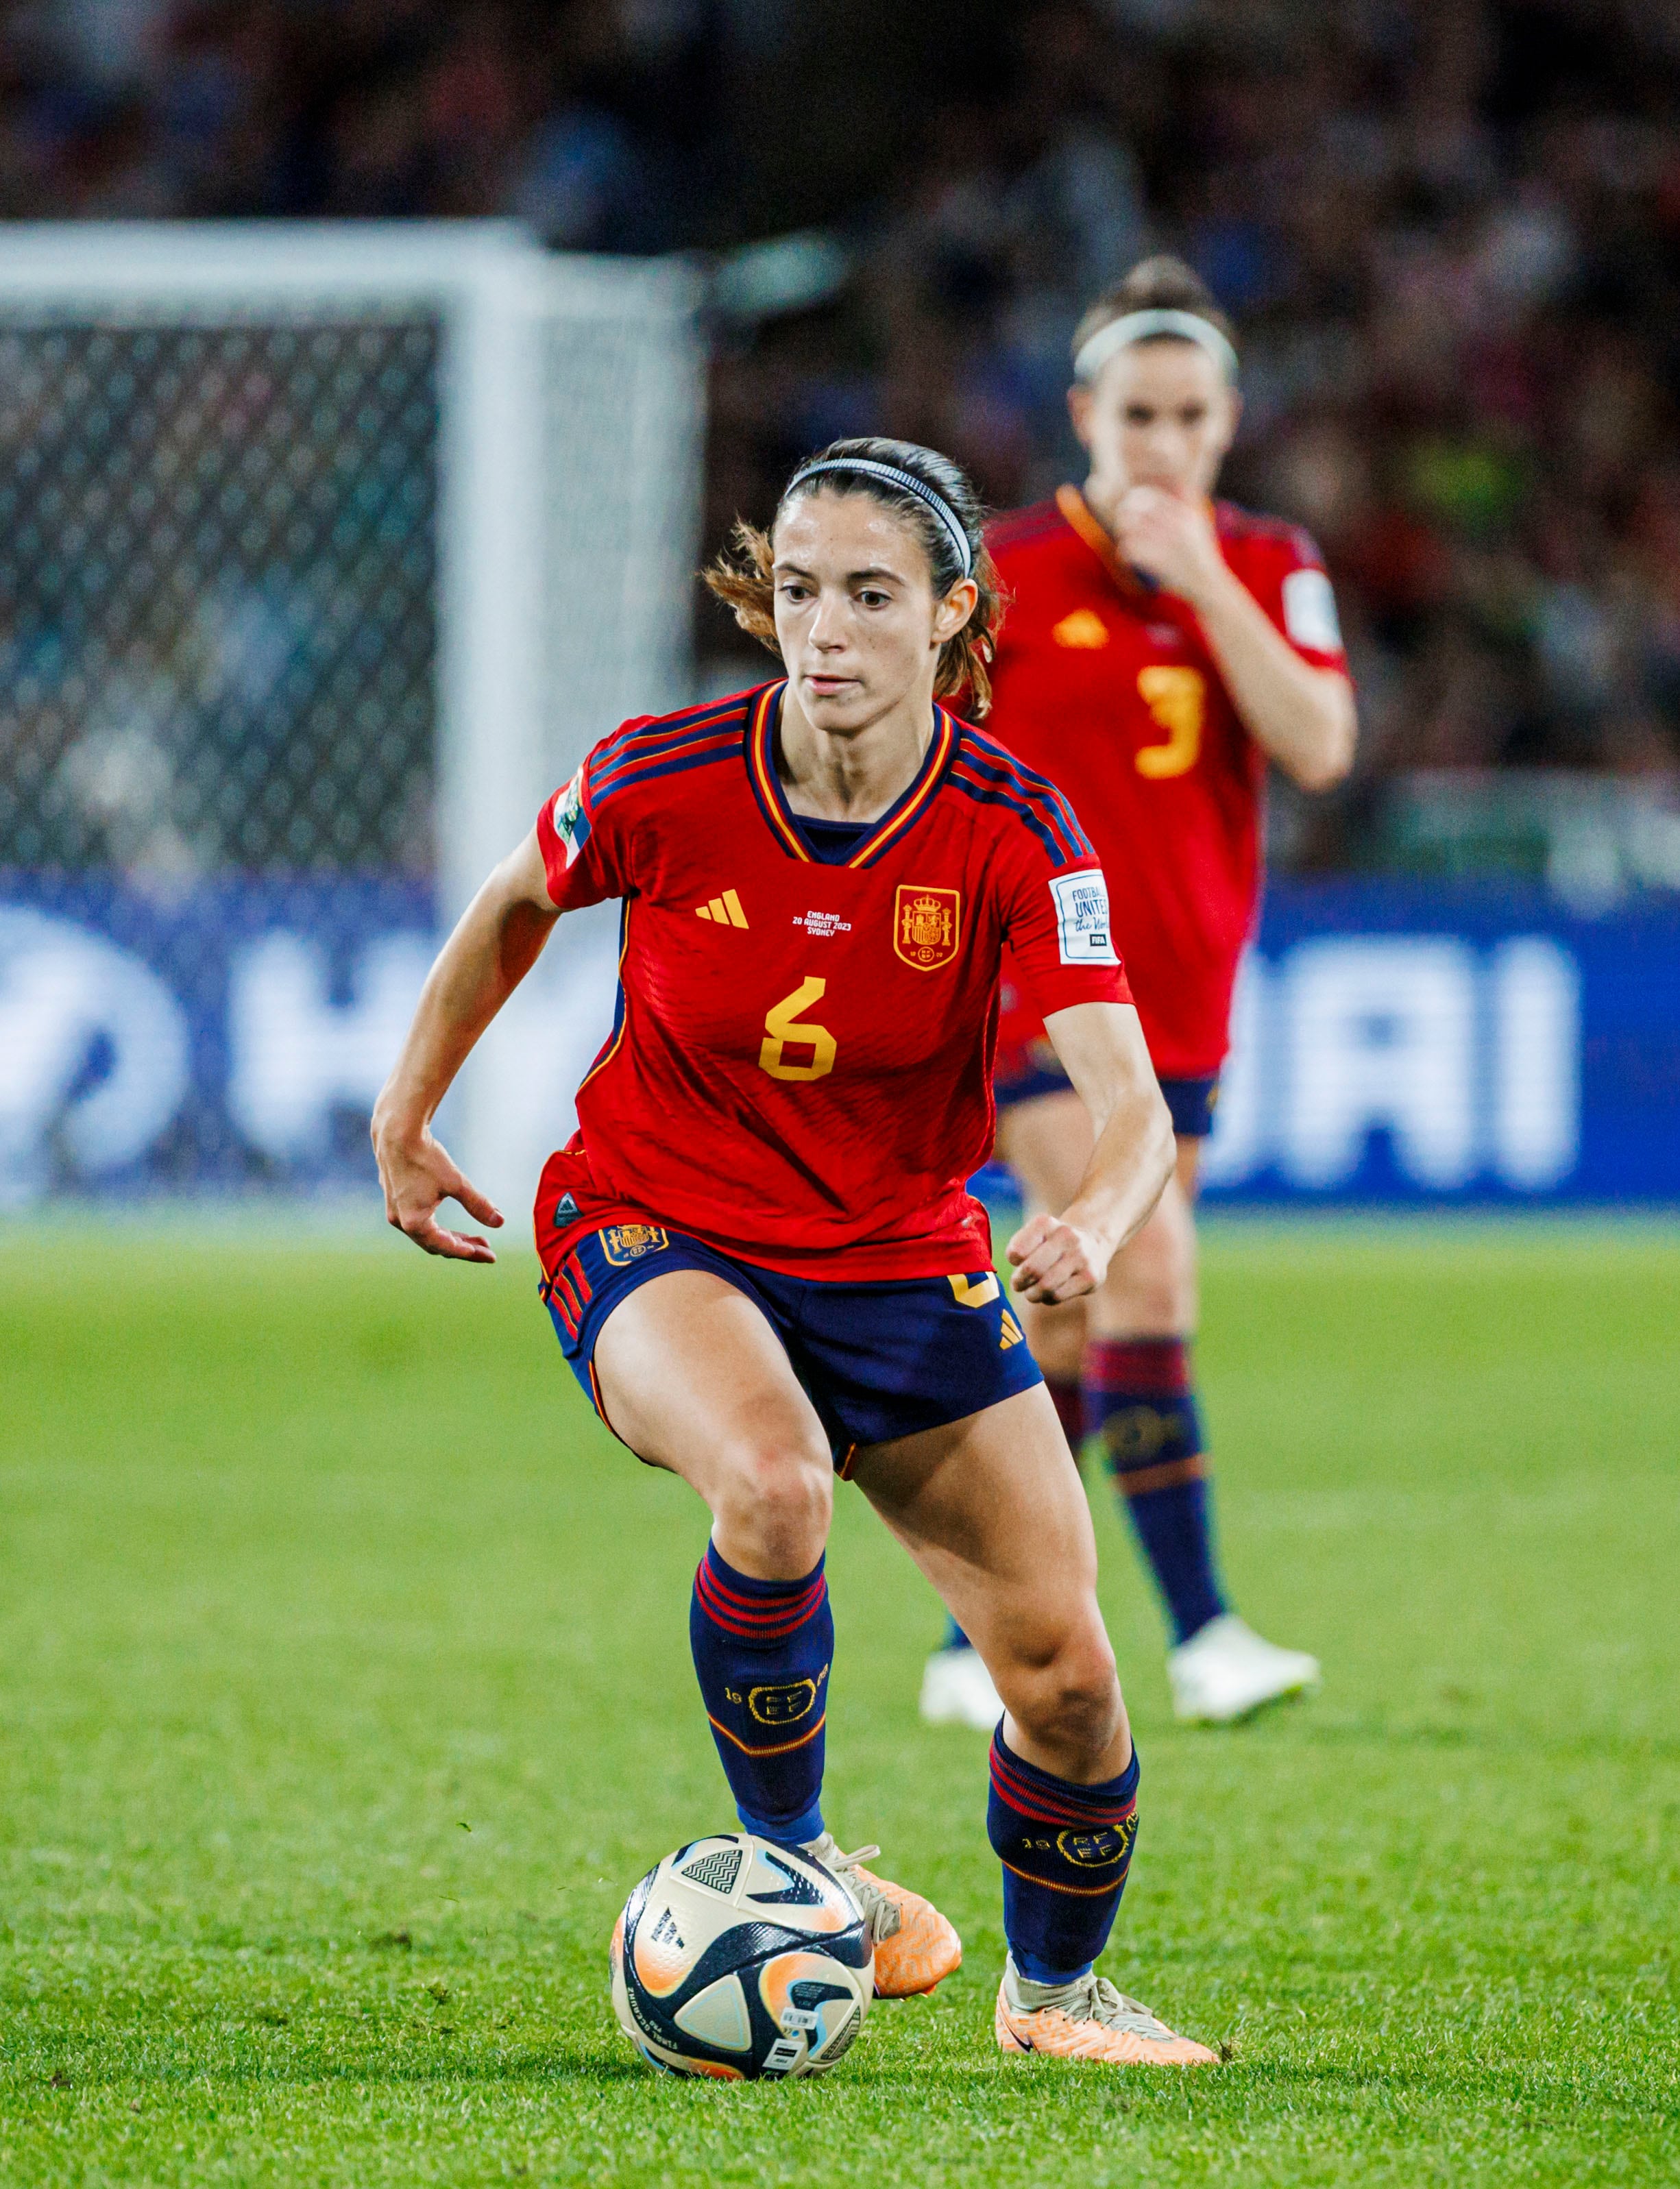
(344, 1692)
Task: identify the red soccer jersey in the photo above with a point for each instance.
(799, 1071)
(1108, 686)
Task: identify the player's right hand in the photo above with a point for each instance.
(1054, 1260)
(416, 1174)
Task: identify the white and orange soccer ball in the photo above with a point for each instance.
(738, 1959)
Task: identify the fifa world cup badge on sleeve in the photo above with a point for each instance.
(927, 925)
(571, 822)
(1310, 611)
(1082, 919)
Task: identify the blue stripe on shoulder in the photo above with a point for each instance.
(1039, 786)
(635, 753)
(991, 793)
(714, 716)
(1028, 790)
(655, 766)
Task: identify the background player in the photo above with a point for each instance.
(758, 1250)
(1158, 650)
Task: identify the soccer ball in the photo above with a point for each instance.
(738, 1959)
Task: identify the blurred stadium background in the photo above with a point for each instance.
(330, 538)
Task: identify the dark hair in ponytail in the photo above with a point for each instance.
(743, 580)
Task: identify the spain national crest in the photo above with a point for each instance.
(927, 925)
(629, 1242)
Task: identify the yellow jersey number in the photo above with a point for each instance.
(782, 1025)
(1178, 699)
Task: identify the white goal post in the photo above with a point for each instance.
(402, 485)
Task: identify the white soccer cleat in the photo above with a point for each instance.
(1226, 1671)
(957, 1689)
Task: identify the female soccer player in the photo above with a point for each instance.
(1160, 649)
(758, 1250)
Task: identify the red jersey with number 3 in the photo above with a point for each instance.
(1108, 686)
(800, 1071)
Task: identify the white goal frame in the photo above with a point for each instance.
(560, 608)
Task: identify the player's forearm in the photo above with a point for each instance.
(1128, 1170)
(1102, 1049)
(1304, 717)
(494, 944)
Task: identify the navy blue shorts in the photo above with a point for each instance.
(877, 1361)
(1190, 1101)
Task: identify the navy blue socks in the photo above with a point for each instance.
(1066, 1851)
(762, 1651)
(1139, 1399)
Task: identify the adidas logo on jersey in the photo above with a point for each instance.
(725, 910)
(1012, 1333)
(1084, 629)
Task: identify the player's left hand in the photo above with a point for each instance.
(416, 1174)
(1171, 539)
(1054, 1260)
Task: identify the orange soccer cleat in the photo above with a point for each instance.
(1090, 2020)
(916, 1948)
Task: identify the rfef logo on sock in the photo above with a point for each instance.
(783, 1705)
(1100, 1850)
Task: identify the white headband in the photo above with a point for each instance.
(923, 490)
(1138, 326)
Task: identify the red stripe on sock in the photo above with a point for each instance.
(1032, 1801)
(758, 1607)
(757, 1619)
(1151, 1366)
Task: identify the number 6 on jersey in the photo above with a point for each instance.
(782, 1025)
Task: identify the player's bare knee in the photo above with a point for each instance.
(1071, 1703)
(780, 1498)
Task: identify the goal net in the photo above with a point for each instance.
(324, 554)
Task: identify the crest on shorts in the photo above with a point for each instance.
(927, 925)
(629, 1242)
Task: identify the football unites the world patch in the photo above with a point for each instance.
(1083, 925)
(926, 924)
(1310, 611)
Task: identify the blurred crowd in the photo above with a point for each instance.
(1449, 230)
